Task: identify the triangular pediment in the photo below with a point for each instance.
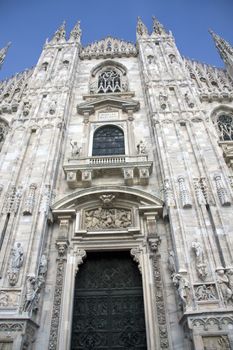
(109, 47)
(108, 101)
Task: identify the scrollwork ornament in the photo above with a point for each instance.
(136, 254)
(80, 256)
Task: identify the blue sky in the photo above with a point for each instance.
(27, 23)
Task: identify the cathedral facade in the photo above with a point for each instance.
(116, 191)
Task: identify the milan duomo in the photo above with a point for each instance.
(116, 191)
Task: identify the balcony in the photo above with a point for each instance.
(81, 172)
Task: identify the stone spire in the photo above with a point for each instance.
(141, 28)
(60, 34)
(76, 33)
(158, 28)
(225, 50)
(3, 53)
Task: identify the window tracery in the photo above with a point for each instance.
(108, 140)
(225, 127)
(108, 77)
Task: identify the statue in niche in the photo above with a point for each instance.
(16, 262)
(141, 148)
(200, 260)
(223, 284)
(163, 100)
(188, 100)
(52, 107)
(75, 149)
(183, 288)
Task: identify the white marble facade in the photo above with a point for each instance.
(167, 198)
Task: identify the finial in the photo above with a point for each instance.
(224, 48)
(76, 33)
(60, 33)
(158, 28)
(141, 28)
(3, 53)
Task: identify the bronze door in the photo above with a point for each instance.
(108, 304)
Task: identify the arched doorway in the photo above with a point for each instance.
(108, 310)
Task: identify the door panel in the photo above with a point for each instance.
(108, 304)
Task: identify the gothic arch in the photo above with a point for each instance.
(109, 63)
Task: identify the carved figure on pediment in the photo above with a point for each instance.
(75, 149)
(141, 148)
(200, 260)
(183, 288)
(223, 284)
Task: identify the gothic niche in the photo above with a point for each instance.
(108, 79)
(107, 218)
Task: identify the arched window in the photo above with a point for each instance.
(108, 140)
(225, 127)
(109, 81)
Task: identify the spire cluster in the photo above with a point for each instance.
(60, 34)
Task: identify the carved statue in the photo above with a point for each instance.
(30, 292)
(223, 282)
(183, 288)
(141, 148)
(171, 263)
(75, 149)
(43, 265)
(26, 108)
(199, 259)
(16, 261)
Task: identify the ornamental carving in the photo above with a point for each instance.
(30, 200)
(12, 200)
(216, 343)
(184, 193)
(216, 322)
(9, 299)
(136, 254)
(222, 191)
(205, 292)
(107, 48)
(104, 218)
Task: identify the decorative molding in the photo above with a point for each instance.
(108, 48)
(136, 254)
(159, 298)
(184, 193)
(207, 323)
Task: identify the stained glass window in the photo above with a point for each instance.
(108, 140)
